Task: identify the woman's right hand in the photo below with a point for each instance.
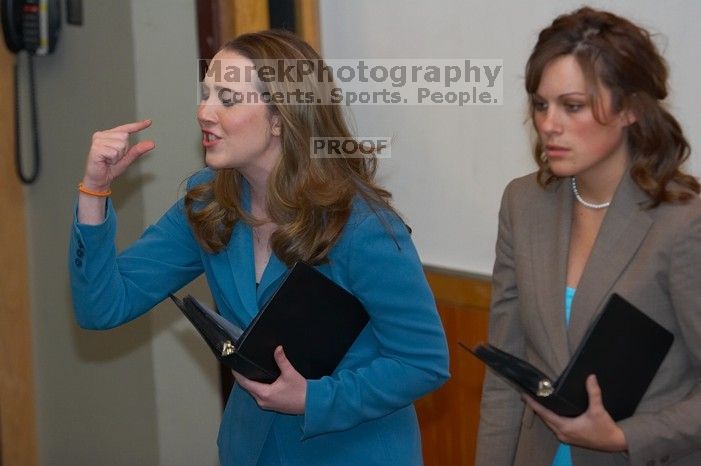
(110, 154)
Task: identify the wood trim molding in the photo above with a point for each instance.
(459, 288)
(246, 16)
(226, 22)
(17, 420)
(307, 22)
(238, 16)
(449, 417)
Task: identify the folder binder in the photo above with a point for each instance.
(624, 349)
(314, 319)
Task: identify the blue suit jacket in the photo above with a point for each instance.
(363, 413)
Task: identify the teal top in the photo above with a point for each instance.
(563, 456)
(569, 296)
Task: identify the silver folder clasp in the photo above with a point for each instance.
(545, 388)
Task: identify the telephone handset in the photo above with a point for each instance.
(31, 25)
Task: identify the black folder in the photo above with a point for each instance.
(623, 348)
(314, 319)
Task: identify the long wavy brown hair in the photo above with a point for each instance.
(308, 198)
(616, 53)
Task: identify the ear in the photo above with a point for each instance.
(275, 124)
(627, 117)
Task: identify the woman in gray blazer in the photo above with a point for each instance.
(608, 211)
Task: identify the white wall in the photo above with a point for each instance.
(449, 165)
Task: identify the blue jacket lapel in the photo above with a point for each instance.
(240, 257)
(270, 280)
(242, 263)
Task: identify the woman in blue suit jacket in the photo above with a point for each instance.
(263, 203)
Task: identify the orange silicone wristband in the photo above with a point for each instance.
(85, 190)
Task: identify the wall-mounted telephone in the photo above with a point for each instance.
(32, 26)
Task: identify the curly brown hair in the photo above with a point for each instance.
(616, 53)
(309, 198)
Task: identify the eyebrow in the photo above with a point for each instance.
(216, 87)
(566, 94)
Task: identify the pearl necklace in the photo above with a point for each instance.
(585, 203)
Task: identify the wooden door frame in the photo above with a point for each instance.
(221, 20)
(18, 444)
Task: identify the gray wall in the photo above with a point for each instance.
(145, 393)
(185, 374)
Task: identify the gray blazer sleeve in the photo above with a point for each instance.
(674, 431)
(501, 407)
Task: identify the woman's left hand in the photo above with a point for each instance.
(593, 429)
(288, 394)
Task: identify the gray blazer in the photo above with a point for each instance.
(650, 257)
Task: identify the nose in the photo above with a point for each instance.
(549, 121)
(206, 115)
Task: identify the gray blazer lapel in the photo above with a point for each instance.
(553, 220)
(625, 226)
